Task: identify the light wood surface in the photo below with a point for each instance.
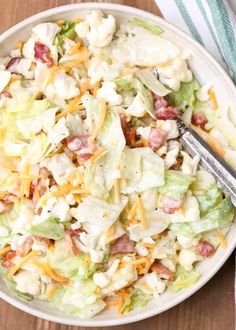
(211, 308)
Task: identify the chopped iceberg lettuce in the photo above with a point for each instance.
(220, 216)
(176, 184)
(211, 197)
(186, 95)
(49, 228)
(137, 298)
(98, 175)
(157, 222)
(98, 215)
(142, 102)
(148, 78)
(183, 279)
(152, 27)
(142, 169)
(81, 300)
(67, 31)
(74, 267)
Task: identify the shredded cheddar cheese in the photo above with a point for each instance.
(50, 293)
(140, 210)
(72, 107)
(96, 88)
(213, 99)
(51, 273)
(23, 261)
(98, 154)
(221, 239)
(117, 191)
(20, 45)
(5, 250)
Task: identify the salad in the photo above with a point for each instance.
(100, 206)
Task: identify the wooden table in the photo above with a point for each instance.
(211, 308)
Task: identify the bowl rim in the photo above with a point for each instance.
(206, 277)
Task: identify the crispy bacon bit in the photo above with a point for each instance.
(25, 247)
(163, 110)
(156, 138)
(6, 203)
(170, 205)
(164, 233)
(7, 259)
(163, 271)
(205, 248)
(79, 145)
(77, 142)
(72, 244)
(42, 54)
(129, 132)
(7, 94)
(199, 119)
(122, 245)
(178, 164)
(42, 240)
(11, 65)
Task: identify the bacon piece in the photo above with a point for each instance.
(122, 245)
(170, 205)
(163, 271)
(205, 248)
(42, 240)
(77, 142)
(199, 119)
(11, 65)
(178, 164)
(156, 138)
(129, 132)
(163, 110)
(6, 203)
(72, 244)
(7, 94)
(42, 54)
(7, 259)
(25, 247)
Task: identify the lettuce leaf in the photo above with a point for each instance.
(186, 95)
(183, 279)
(82, 301)
(176, 184)
(74, 267)
(142, 169)
(49, 228)
(137, 298)
(142, 102)
(148, 78)
(220, 216)
(67, 31)
(209, 199)
(152, 27)
(98, 174)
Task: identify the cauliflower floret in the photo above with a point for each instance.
(101, 70)
(108, 93)
(63, 87)
(151, 283)
(97, 29)
(28, 282)
(5, 78)
(172, 75)
(44, 33)
(141, 250)
(189, 165)
(172, 153)
(169, 127)
(186, 242)
(187, 257)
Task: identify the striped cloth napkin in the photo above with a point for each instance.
(210, 22)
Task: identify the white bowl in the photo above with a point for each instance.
(206, 70)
